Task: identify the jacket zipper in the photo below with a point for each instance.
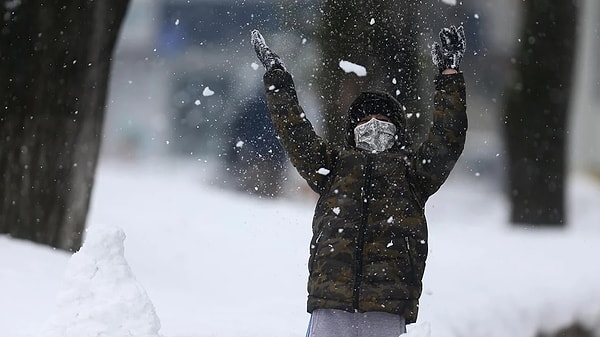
(409, 254)
(361, 232)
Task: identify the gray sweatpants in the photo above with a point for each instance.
(339, 323)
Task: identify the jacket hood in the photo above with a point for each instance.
(373, 103)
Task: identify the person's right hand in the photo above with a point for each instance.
(449, 53)
(269, 59)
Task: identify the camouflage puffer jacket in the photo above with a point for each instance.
(369, 240)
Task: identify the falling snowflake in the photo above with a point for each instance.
(350, 67)
(207, 92)
(323, 171)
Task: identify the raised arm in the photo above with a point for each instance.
(436, 157)
(308, 152)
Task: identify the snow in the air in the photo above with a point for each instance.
(12, 4)
(323, 171)
(450, 2)
(215, 263)
(349, 67)
(207, 92)
(254, 65)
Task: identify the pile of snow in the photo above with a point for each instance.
(100, 296)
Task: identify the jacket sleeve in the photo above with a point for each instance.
(436, 157)
(308, 152)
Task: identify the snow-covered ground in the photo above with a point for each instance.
(215, 263)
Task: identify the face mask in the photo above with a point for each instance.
(375, 135)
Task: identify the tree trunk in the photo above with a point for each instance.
(54, 70)
(536, 113)
(382, 36)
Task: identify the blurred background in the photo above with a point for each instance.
(185, 108)
(185, 77)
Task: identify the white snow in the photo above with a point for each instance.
(450, 2)
(197, 102)
(215, 263)
(349, 67)
(207, 92)
(100, 296)
(254, 65)
(323, 171)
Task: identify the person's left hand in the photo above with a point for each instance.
(269, 59)
(449, 53)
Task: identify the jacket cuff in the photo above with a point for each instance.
(445, 82)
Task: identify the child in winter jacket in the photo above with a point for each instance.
(369, 244)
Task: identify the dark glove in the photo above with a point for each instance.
(269, 59)
(449, 53)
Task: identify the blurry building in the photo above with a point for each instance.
(180, 71)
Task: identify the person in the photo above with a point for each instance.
(255, 158)
(369, 244)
